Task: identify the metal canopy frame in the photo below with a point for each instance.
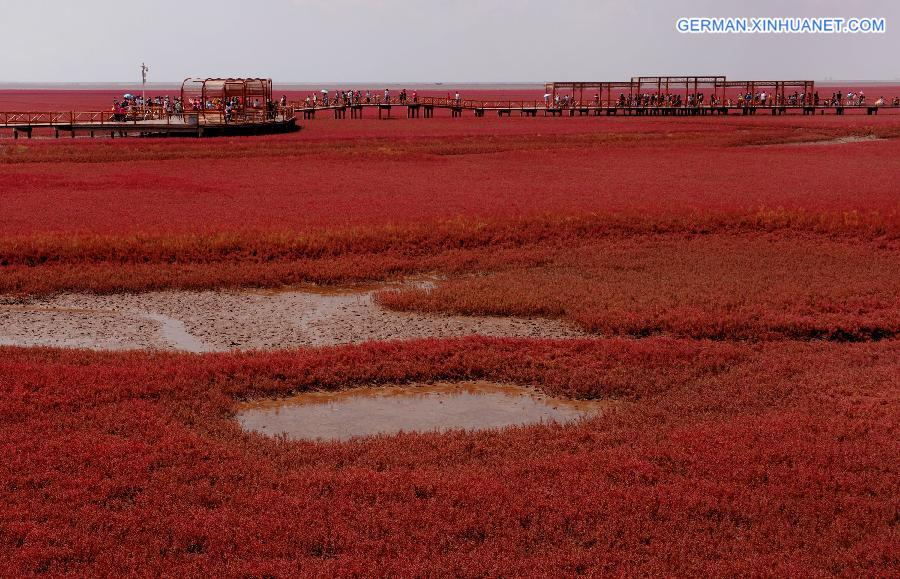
(715, 85)
(577, 89)
(252, 95)
(665, 85)
(778, 87)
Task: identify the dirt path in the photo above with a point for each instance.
(219, 320)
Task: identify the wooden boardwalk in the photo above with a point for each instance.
(640, 96)
(107, 123)
(425, 107)
(285, 119)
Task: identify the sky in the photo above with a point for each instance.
(424, 41)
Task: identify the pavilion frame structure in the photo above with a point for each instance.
(251, 95)
(778, 89)
(681, 86)
(576, 90)
(606, 94)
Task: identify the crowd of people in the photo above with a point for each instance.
(699, 99)
(650, 100)
(358, 97)
(135, 107)
(341, 98)
(132, 107)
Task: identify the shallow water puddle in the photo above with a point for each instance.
(436, 407)
(175, 334)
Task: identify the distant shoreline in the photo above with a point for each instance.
(50, 86)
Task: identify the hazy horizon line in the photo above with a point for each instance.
(373, 84)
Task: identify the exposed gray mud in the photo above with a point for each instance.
(207, 321)
(845, 140)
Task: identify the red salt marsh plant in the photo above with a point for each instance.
(720, 459)
(644, 173)
(344, 204)
(708, 286)
(593, 227)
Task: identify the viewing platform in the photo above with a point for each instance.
(640, 96)
(426, 106)
(106, 123)
(204, 108)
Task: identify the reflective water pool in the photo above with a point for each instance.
(384, 410)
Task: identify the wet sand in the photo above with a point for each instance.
(208, 321)
(417, 407)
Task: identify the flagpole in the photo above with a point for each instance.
(144, 69)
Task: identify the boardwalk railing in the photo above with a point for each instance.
(470, 104)
(34, 118)
(134, 116)
(604, 104)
